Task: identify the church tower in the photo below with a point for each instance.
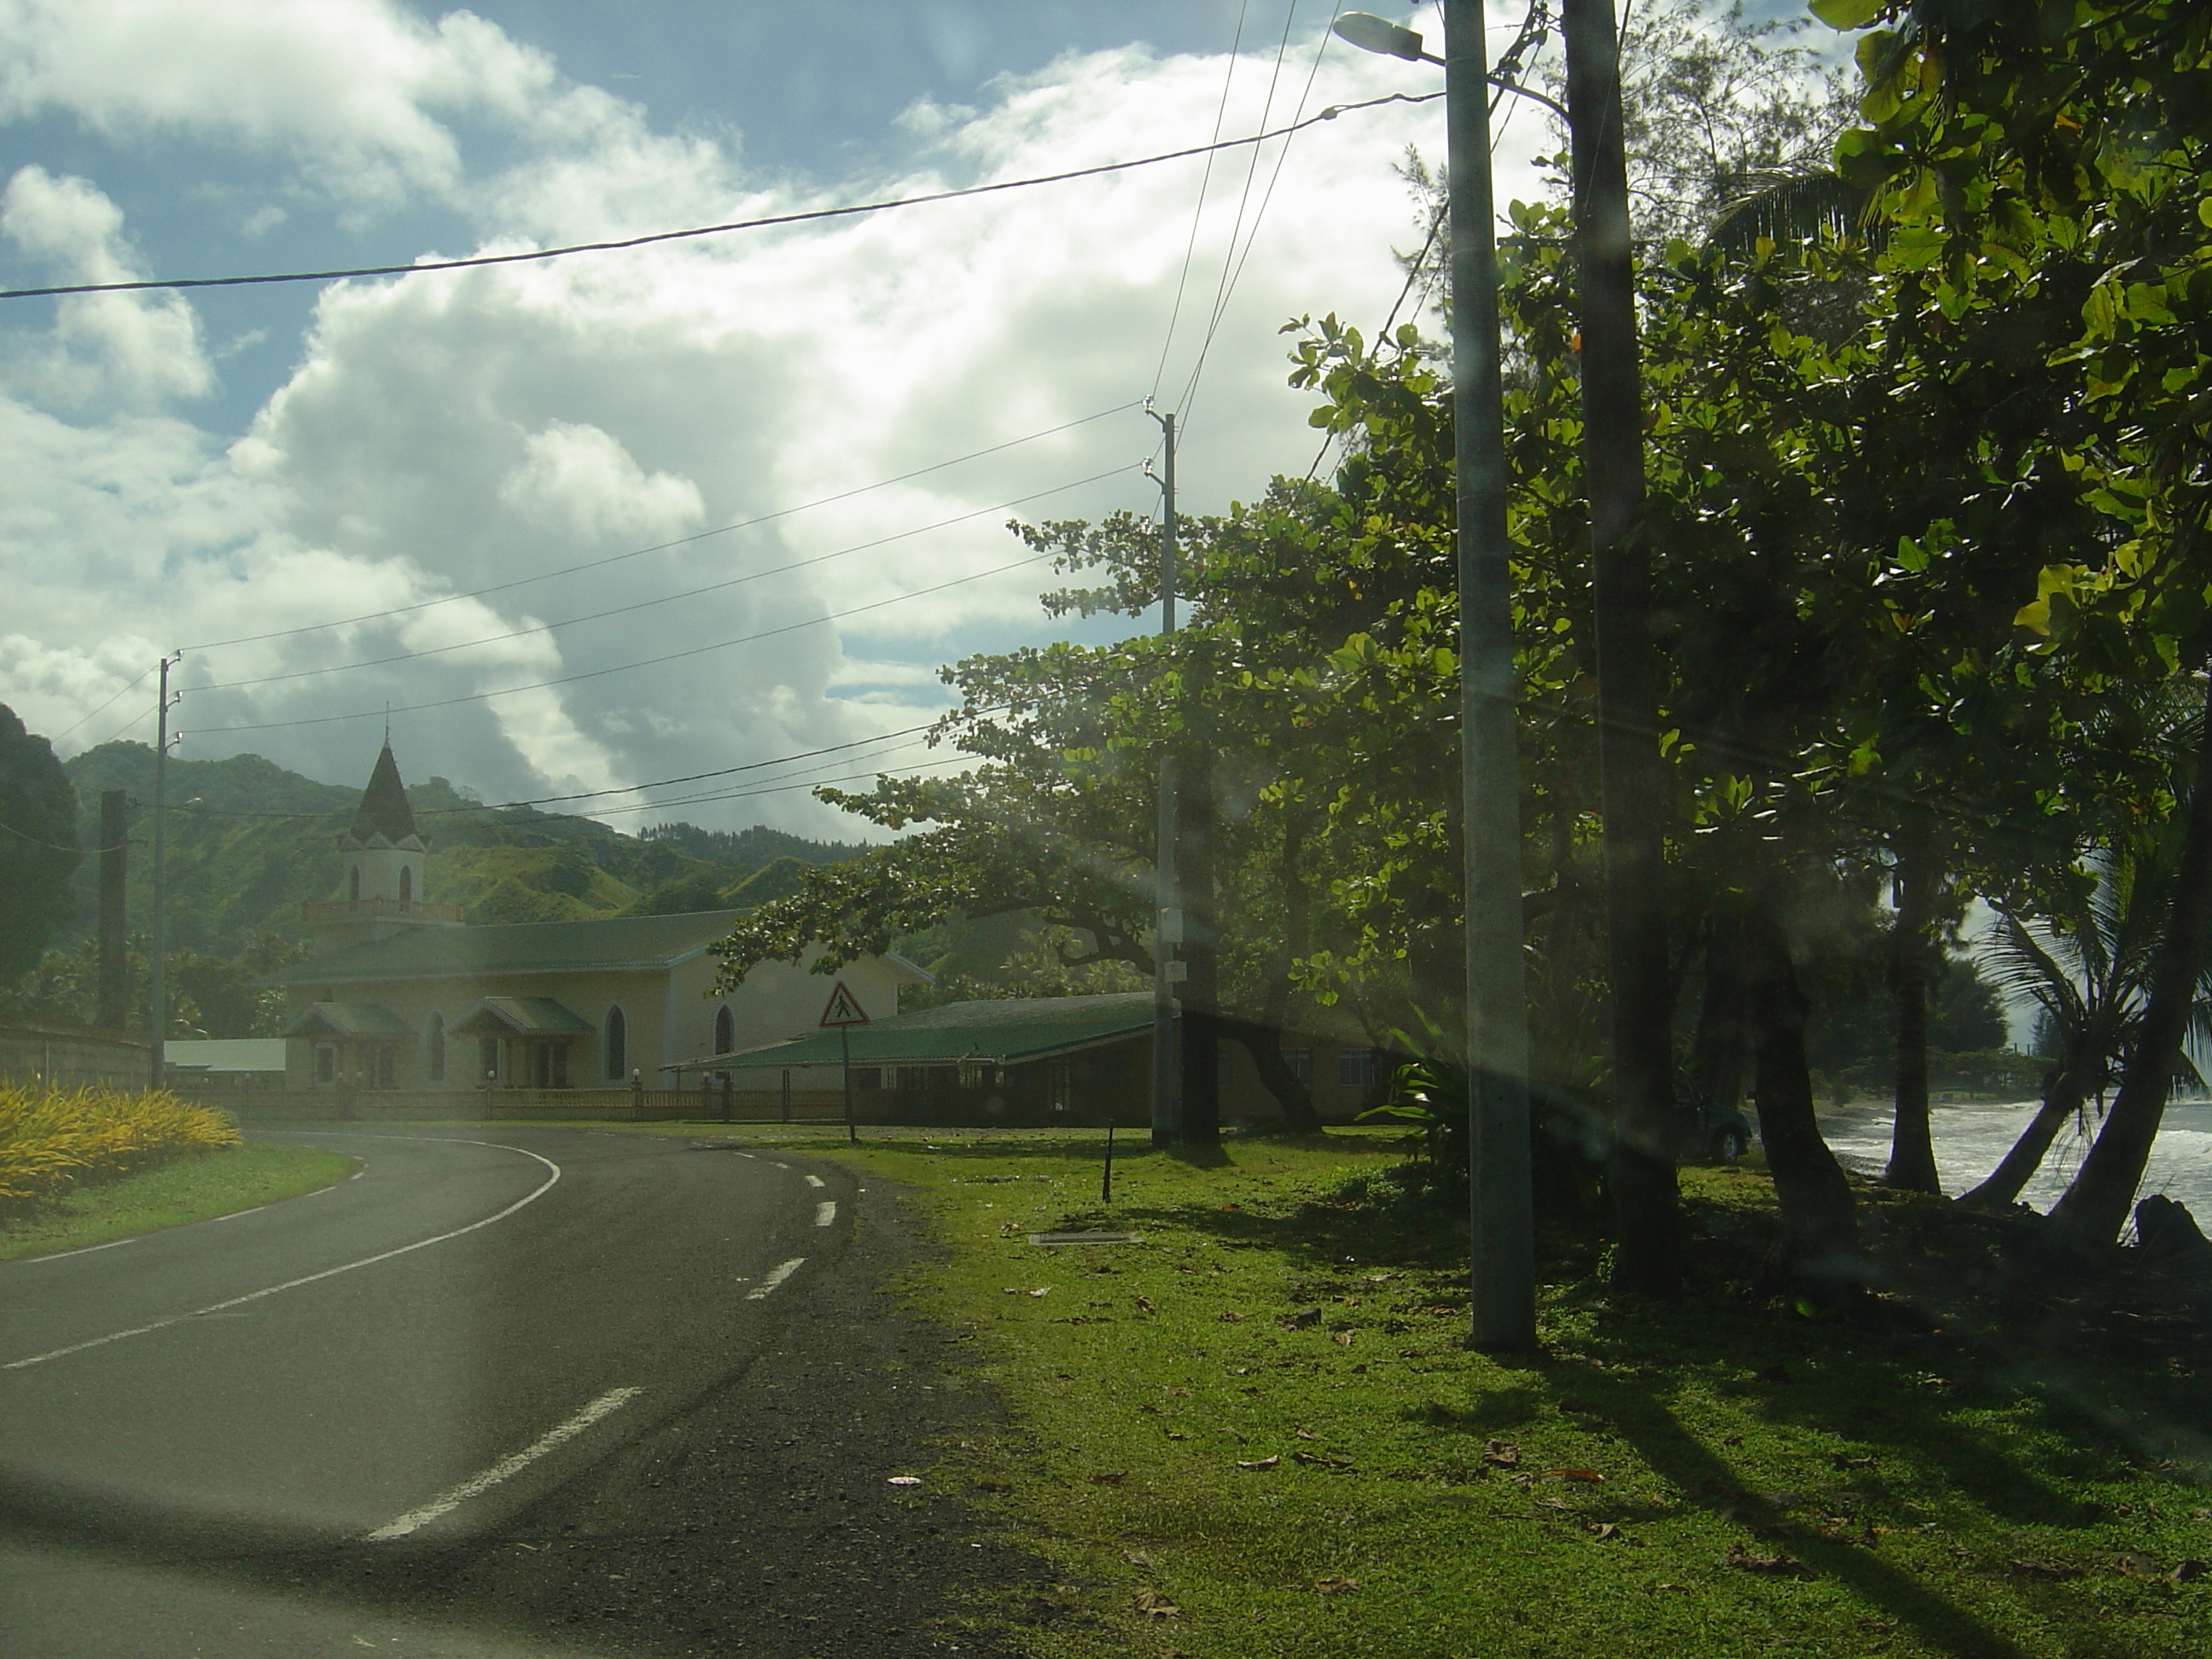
(383, 855)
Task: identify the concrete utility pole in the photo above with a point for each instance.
(1648, 1130)
(1504, 1268)
(1167, 932)
(157, 997)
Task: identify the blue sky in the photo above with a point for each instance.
(190, 470)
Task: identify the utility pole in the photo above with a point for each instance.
(157, 999)
(1648, 1129)
(1167, 930)
(1503, 1270)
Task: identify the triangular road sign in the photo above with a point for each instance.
(844, 1008)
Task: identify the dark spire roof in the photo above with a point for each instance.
(384, 809)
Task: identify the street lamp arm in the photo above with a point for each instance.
(1519, 91)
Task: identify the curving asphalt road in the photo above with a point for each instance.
(527, 1392)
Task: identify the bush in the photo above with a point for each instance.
(52, 1141)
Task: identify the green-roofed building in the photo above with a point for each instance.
(401, 994)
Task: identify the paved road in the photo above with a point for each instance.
(525, 1393)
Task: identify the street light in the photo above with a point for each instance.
(1504, 1275)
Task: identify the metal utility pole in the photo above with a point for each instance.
(1504, 1268)
(1167, 932)
(1501, 1210)
(1648, 1130)
(157, 996)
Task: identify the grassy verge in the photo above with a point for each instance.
(1257, 1433)
(194, 1189)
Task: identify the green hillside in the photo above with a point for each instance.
(249, 842)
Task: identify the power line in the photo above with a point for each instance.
(809, 216)
(103, 707)
(1198, 212)
(622, 668)
(657, 547)
(666, 598)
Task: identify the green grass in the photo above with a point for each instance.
(1766, 1481)
(194, 1189)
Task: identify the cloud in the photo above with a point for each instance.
(491, 429)
(132, 348)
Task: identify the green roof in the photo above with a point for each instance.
(524, 1016)
(612, 942)
(345, 1019)
(1011, 1032)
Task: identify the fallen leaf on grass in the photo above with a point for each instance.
(1113, 1479)
(1180, 1393)
(1500, 1455)
(2187, 1571)
(1605, 1529)
(1046, 1290)
(1178, 1434)
(2137, 1565)
(904, 1480)
(1317, 1460)
(1845, 1461)
(1303, 1434)
(1230, 1316)
(1335, 1584)
(1344, 1339)
(1262, 1462)
(1590, 1475)
(1682, 1589)
(1731, 1440)
(1784, 1567)
(1154, 1605)
(1139, 1558)
(1144, 1305)
(1299, 1319)
(2035, 1569)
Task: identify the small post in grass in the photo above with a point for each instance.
(1106, 1179)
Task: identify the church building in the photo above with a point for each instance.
(400, 993)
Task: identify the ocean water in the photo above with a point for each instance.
(1970, 1140)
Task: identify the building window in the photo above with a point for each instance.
(1300, 1061)
(618, 1046)
(406, 884)
(1355, 1067)
(725, 1030)
(434, 1050)
(488, 1058)
(326, 1064)
(352, 884)
(1059, 1085)
(383, 1067)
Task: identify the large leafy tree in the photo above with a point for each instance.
(37, 845)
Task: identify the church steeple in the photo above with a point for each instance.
(384, 815)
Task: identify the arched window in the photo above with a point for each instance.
(618, 1046)
(352, 884)
(406, 884)
(725, 1030)
(433, 1048)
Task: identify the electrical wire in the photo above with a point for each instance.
(1198, 212)
(103, 707)
(808, 217)
(666, 598)
(622, 668)
(658, 547)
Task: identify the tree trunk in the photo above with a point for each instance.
(1818, 1225)
(2104, 1190)
(1647, 1127)
(1200, 992)
(1263, 1041)
(2068, 1087)
(1717, 1048)
(1911, 1142)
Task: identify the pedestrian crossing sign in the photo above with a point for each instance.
(844, 1008)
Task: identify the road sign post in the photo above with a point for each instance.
(843, 1013)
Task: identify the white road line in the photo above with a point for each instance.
(235, 1214)
(825, 1213)
(814, 1180)
(310, 1279)
(766, 1288)
(112, 1244)
(477, 1485)
(779, 1166)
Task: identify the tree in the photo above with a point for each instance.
(38, 846)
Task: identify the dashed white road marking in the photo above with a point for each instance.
(309, 1278)
(815, 1181)
(766, 1288)
(477, 1485)
(235, 1214)
(825, 1213)
(112, 1244)
(779, 1166)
